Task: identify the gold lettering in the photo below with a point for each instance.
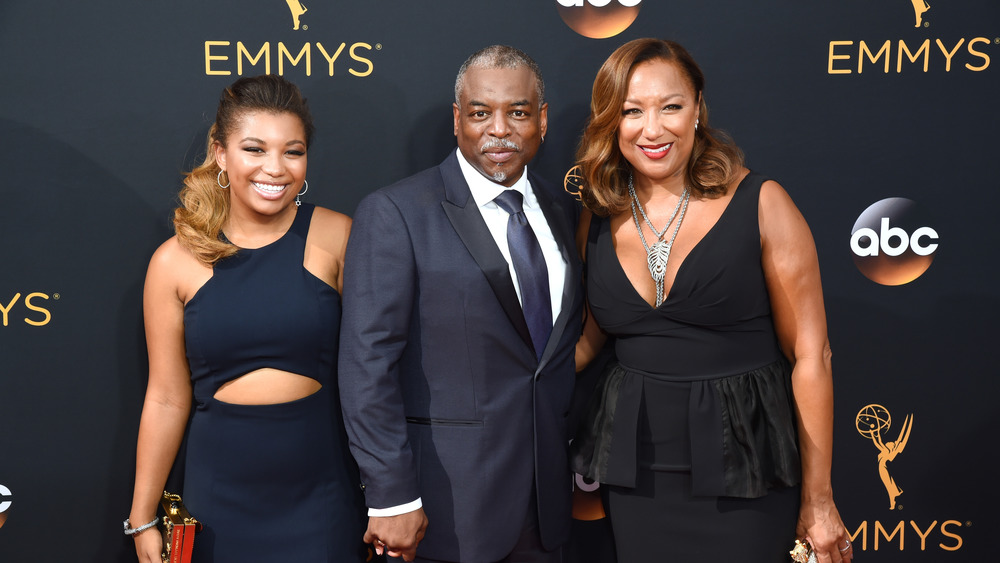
(9, 307)
(948, 54)
(44, 311)
(832, 57)
(923, 535)
(209, 57)
(863, 52)
(283, 53)
(361, 59)
(958, 545)
(924, 48)
(982, 55)
(863, 532)
(327, 56)
(898, 529)
(265, 52)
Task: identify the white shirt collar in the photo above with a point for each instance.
(485, 190)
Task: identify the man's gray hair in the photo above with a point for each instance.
(499, 56)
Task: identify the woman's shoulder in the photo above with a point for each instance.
(172, 255)
(774, 198)
(778, 216)
(175, 270)
(769, 192)
(327, 245)
(330, 225)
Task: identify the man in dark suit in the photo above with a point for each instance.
(462, 306)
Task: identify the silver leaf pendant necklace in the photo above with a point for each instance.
(658, 254)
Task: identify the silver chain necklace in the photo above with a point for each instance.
(658, 254)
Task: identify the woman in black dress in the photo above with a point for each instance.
(242, 312)
(712, 433)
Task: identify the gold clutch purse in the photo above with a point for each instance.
(803, 552)
(178, 528)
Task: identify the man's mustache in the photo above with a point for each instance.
(499, 144)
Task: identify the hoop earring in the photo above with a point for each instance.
(218, 180)
(298, 202)
(696, 122)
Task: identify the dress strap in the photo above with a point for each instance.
(303, 217)
(751, 185)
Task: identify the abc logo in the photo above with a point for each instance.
(598, 19)
(5, 503)
(891, 243)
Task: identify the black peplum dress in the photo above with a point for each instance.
(692, 432)
(270, 482)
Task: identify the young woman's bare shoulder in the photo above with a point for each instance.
(174, 267)
(331, 220)
(330, 228)
(171, 255)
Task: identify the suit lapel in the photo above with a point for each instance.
(562, 231)
(468, 223)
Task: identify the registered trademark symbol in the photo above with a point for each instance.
(55, 296)
(305, 27)
(899, 507)
(927, 24)
(378, 46)
(996, 41)
(968, 524)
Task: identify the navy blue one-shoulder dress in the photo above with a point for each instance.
(270, 482)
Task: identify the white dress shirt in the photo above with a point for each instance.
(484, 191)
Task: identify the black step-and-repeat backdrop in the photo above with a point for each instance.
(878, 116)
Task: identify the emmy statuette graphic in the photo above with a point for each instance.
(872, 421)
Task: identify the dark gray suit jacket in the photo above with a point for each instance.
(442, 393)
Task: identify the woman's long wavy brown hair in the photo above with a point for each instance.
(204, 205)
(715, 160)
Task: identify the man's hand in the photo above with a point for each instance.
(397, 535)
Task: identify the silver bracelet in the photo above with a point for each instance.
(129, 531)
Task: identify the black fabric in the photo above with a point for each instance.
(270, 482)
(715, 320)
(662, 520)
(709, 351)
(739, 440)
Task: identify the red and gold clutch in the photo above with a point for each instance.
(178, 528)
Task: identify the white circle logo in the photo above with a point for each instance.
(4, 504)
(892, 243)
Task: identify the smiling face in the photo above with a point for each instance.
(657, 127)
(265, 160)
(499, 124)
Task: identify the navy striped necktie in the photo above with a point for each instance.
(529, 264)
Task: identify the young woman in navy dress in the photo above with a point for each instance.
(242, 312)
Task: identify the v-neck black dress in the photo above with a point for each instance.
(693, 432)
